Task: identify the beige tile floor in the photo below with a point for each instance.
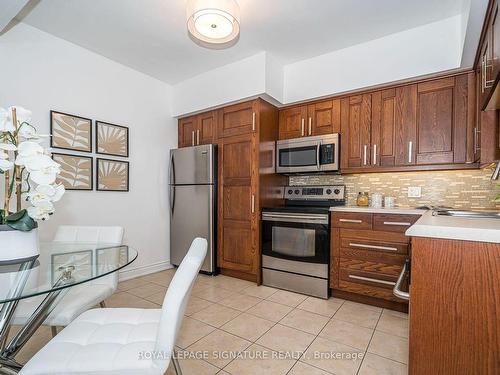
(275, 331)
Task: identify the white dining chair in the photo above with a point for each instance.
(123, 341)
(79, 298)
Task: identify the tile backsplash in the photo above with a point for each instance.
(467, 189)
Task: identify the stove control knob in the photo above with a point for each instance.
(336, 191)
(297, 191)
(290, 192)
(328, 191)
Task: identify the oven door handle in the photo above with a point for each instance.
(323, 219)
(399, 283)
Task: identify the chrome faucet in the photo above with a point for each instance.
(496, 173)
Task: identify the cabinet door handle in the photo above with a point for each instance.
(192, 138)
(253, 203)
(375, 247)
(310, 125)
(476, 140)
(356, 221)
(253, 121)
(399, 223)
(410, 151)
(374, 154)
(365, 148)
(198, 136)
(302, 127)
(378, 281)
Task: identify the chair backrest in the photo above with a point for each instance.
(176, 299)
(112, 235)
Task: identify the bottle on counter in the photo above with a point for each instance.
(376, 201)
(363, 199)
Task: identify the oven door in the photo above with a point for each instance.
(296, 236)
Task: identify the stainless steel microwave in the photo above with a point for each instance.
(308, 154)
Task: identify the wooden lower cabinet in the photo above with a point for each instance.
(454, 307)
(367, 255)
(237, 210)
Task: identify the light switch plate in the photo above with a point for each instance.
(414, 192)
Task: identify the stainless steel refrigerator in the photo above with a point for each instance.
(193, 201)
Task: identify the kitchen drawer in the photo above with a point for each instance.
(352, 220)
(373, 245)
(372, 265)
(393, 222)
(368, 290)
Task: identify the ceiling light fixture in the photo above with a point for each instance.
(213, 23)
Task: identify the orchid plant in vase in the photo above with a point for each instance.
(28, 171)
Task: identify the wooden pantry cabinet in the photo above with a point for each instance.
(197, 130)
(420, 126)
(247, 181)
(368, 251)
(310, 120)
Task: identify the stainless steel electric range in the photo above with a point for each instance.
(296, 239)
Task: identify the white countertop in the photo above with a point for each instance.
(383, 210)
(456, 228)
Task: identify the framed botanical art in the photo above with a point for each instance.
(112, 175)
(70, 132)
(76, 171)
(111, 139)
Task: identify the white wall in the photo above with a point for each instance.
(243, 79)
(41, 72)
(422, 50)
(426, 49)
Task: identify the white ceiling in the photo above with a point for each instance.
(150, 35)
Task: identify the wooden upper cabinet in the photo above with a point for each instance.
(323, 118)
(310, 120)
(292, 122)
(197, 130)
(356, 131)
(383, 131)
(238, 238)
(207, 126)
(406, 125)
(237, 119)
(443, 121)
(187, 131)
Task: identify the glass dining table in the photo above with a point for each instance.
(48, 277)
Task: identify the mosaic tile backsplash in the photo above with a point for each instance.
(467, 189)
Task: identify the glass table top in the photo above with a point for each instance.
(61, 265)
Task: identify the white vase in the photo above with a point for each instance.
(15, 244)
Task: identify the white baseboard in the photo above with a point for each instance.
(131, 273)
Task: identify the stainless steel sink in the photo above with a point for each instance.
(463, 213)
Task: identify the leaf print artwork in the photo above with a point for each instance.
(70, 132)
(76, 171)
(112, 175)
(111, 139)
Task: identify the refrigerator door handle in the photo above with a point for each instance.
(172, 169)
(172, 199)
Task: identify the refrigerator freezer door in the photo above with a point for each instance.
(191, 217)
(192, 165)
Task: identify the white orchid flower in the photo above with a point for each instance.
(41, 211)
(46, 193)
(28, 150)
(43, 170)
(6, 124)
(5, 164)
(8, 147)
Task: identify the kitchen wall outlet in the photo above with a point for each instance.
(414, 192)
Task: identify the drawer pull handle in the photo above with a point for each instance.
(399, 223)
(372, 246)
(372, 280)
(350, 221)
